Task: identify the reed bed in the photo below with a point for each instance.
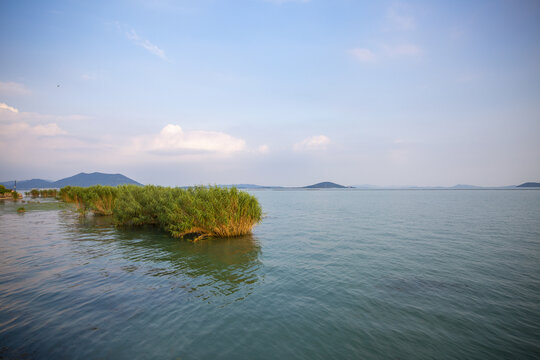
(97, 199)
(196, 212)
(42, 193)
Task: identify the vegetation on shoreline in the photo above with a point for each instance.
(42, 193)
(198, 211)
(8, 193)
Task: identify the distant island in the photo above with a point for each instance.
(529, 184)
(82, 179)
(325, 185)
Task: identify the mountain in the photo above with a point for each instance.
(325, 185)
(82, 179)
(29, 184)
(529, 184)
(96, 178)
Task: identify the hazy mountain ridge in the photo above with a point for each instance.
(28, 184)
(97, 178)
(529, 184)
(81, 179)
(325, 185)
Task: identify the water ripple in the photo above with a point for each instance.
(328, 274)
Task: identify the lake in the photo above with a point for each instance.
(329, 274)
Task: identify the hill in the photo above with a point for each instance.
(529, 184)
(28, 184)
(325, 185)
(96, 178)
(82, 179)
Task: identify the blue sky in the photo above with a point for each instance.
(272, 92)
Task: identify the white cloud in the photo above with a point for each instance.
(23, 128)
(4, 106)
(398, 16)
(318, 142)
(263, 149)
(363, 54)
(26, 138)
(13, 88)
(146, 44)
(48, 130)
(11, 114)
(173, 140)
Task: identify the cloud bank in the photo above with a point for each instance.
(4, 106)
(173, 140)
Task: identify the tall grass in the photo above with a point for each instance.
(212, 211)
(98, 199)
(198, 212)
(42, 193)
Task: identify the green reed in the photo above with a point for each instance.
(44, 193)
(197, 212)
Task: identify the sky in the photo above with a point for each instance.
(272, 92)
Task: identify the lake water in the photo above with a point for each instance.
(333, 274)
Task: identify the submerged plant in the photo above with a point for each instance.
(198, 211)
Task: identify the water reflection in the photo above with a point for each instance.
(209, 268)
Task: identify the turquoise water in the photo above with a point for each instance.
(343, 274)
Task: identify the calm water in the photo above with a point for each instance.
(327, 275)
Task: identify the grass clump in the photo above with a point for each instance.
(21, 210)
(48, 193)
(98, 199)
(211, 212)
(198, 212)
(44, 193)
